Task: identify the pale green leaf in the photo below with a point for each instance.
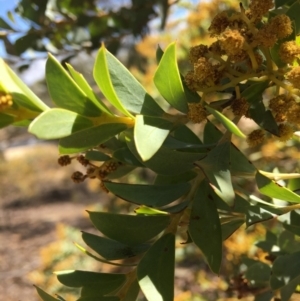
(103, 80)
(228, 124)
(58, 123)
(12, 84)
(86, 88)
(275, 190)
(129, 91)
(148, 136)
(168, 81)
(65, 92)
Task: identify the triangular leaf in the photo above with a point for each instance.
(155, 271)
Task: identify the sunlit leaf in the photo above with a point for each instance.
(103, 80)
(129, 229)
(168, 82)
(129, 91)
(149, 195)
(155, 272)
(274, 190)
(64, 91)
(228, 124)
(58, 123)
(149, 135)
(19, 91)
(205, 227)
(86, 88)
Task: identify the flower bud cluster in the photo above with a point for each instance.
(92, 171)
(6, 101)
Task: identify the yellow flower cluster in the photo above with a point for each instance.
(6, 101)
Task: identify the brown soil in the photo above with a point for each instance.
(30, 211)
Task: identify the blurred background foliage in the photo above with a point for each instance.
(73, 30)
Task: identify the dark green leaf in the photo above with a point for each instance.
(44, 295)
(259, 213)
(230, 227)
(99, 298)
(155, 271)
(168, 82)
(96, 156)
(216, 167)
(89, 137)
(264, 296)
(258, 274)
(111, 249)
(163, 161)
(274, 190)
(180, 178)
(293, 14)
(149, 195)
(4, 24)
(106, 282)
(287, 242)
(129, 229)
(64, 91)
(287, 291)
(58, 123)
(132, 292)
(125, 155)
(205, 228)
(6, 120)
(285, 269)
